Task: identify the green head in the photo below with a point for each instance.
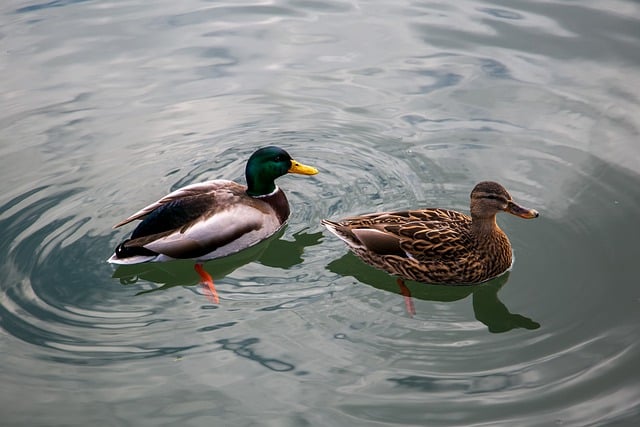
(267, 164)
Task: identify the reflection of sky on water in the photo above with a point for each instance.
(108, 106)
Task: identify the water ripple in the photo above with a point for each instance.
(110, 105)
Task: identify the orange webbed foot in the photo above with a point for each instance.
(207, 284)
(408, 301)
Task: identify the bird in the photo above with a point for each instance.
(434, 245)
(213, 219)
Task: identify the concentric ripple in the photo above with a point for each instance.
(110, 105)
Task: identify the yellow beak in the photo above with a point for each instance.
(301, 169)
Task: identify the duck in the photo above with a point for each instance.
(213, 219)
(434, 245)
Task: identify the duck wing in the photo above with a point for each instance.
(425, 234)
(190, 196)
(210, 220)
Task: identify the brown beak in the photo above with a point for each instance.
(517, 210)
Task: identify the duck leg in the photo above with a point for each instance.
(208, 282)
(408, 301)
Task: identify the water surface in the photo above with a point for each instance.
(110, 105)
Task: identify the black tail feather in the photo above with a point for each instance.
(124, 251)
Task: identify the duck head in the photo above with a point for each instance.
(488, 198)
(267, 164)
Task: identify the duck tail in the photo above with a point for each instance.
(343, 232)
(130, 254)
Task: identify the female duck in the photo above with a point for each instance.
(213, 219)
(436, 245)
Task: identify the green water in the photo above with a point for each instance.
(107, 106)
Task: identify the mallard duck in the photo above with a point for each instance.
(436, 245)
(213, 219)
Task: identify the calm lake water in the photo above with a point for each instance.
(108, 105)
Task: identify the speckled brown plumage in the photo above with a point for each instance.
(436, 245)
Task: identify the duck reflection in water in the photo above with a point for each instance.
(487, 307)
(273, 252)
